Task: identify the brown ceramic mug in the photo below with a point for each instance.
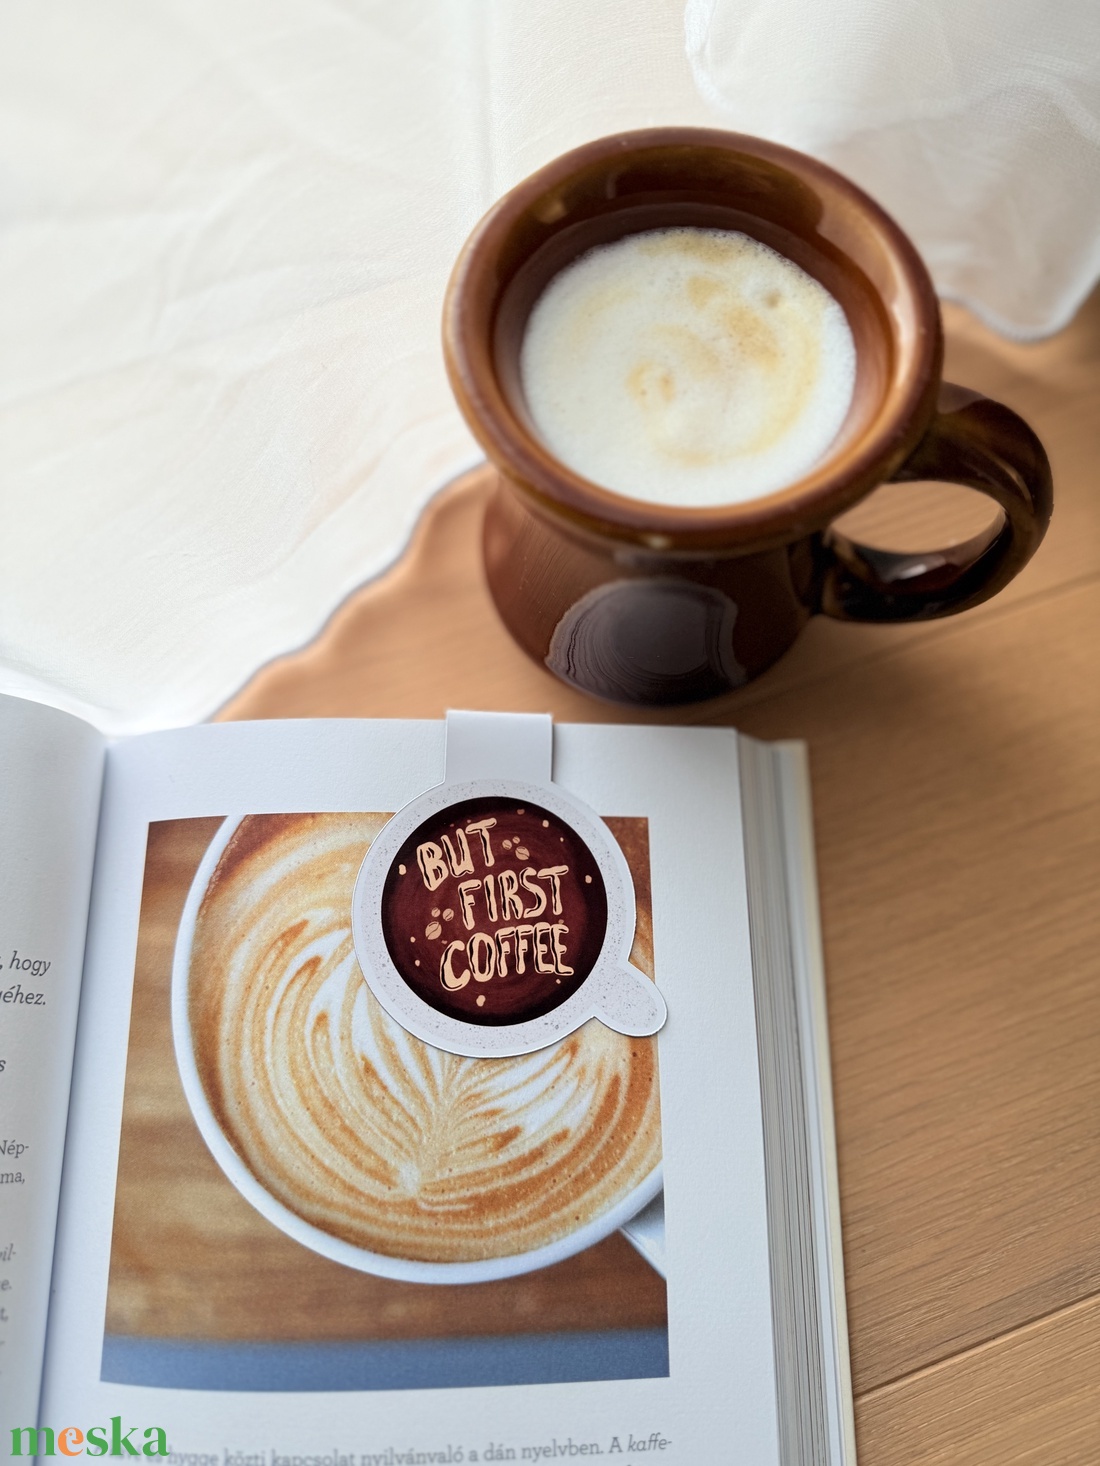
(653, 604)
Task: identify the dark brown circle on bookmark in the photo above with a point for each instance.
(494, 911)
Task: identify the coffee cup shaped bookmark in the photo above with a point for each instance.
(494, 914)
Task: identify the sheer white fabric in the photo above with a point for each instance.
(976, 123)
(227, 230)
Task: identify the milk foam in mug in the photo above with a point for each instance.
(688, 366)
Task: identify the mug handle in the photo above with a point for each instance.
(985, 446)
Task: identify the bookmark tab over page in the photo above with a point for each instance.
(499, 746)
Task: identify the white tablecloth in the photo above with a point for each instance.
(227, 229)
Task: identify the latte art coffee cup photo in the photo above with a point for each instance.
(686, 353)
(356, 1138)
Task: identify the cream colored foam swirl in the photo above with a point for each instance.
(688, 366)
(363, 1130)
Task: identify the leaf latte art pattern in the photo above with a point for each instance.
(364, 1131)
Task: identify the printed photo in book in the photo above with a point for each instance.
(382, 1214)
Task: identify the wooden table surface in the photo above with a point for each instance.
(956, 770)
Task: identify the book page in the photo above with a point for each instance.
(293, 1233)
(49, 804)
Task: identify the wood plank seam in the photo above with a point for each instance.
(975, 1351)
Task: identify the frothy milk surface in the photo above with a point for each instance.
(691, 367)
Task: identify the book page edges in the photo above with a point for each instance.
(807, 951)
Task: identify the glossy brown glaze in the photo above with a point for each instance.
(971, 441)
(653, 604)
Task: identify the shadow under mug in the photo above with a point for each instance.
(654, 604)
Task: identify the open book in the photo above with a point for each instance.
(385, 1092)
